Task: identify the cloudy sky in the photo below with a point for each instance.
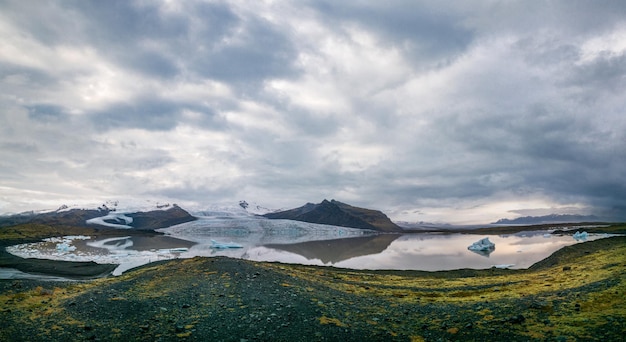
(457, 111)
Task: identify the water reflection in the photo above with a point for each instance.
(334, 251)
(422, 251)
(428, 252)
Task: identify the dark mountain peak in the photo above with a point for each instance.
(338, 214)
(156, 219)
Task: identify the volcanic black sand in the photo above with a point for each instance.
(577, 294)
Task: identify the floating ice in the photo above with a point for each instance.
(174, 250)
(220, 245)
(65, 247)
(578, 236)
(482, 245)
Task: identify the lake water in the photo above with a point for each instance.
(302, 243)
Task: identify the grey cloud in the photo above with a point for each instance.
(147, 114)
(575, 18)
(131, 29)
(152, 63)
(547, 51)
(37, 79)
(432, 34)
(47, 113)
(260, 52)
(605, 74)
(152, 114)
(536, 119)
(19, 148)
(219, 44)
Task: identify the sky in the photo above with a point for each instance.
(459, 112)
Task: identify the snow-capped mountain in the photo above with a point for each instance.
(255, 208)
(145, 215)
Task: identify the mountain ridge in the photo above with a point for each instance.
(552, 218)
(338, 214)
(105, 217)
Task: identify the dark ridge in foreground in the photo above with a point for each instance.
(339, 214)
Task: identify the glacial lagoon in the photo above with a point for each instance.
(303, 243)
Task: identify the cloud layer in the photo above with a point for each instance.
(429, 112)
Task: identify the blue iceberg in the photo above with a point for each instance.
(578, 236)
(220, 245)
(483, 247)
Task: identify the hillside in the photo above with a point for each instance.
(104, 217)
(338, 214)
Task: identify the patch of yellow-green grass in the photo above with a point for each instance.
(593, 308)
(44, 304)
(335, 321)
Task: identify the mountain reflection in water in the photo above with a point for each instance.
(300, 243)
(333, 251)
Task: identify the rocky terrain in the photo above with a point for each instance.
(338, 214)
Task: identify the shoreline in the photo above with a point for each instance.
(578, 293)
(77, 270)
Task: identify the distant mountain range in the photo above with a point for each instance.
(105, 216)
(338, 214)
(553, 218)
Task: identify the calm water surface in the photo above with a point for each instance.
(326, 247)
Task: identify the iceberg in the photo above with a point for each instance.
(483, 247)
(220, 245)
(578, 236)
(65, 247)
